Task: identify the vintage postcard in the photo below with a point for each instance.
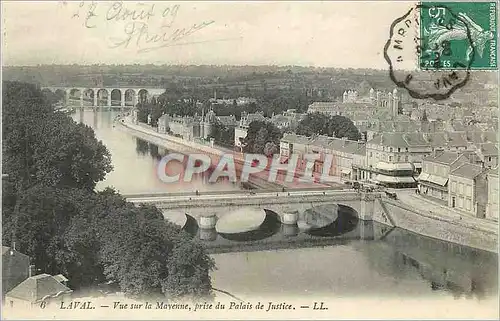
(250, 160)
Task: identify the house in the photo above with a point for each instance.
(15, 268)
(344, 152)
(492, 206)
(468, 189)
(293, 144)
(433, 180)
(325, 107)
(391, 158)
(185, 127)
(337, 153)
(35, 289)
(488, 154)
(240, 131)
(163, 121)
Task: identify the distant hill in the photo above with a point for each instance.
(332, 81)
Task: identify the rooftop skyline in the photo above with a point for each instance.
(332, 34)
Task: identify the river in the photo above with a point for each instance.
(401, 264)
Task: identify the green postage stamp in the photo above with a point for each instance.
(458, 35)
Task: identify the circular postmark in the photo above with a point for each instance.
(420, 54)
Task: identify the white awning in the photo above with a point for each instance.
(417, 165)
(346, 171)
(423, 176)
(394, 166)
(394, 179)
(437, 180)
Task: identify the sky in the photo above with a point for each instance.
(321, 34)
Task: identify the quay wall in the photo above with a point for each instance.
(382, 210)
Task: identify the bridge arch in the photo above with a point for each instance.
(75, 94)
(142, 95)
(130, 97)
(103, 97)
(88, 96)
(116, 97)
(60, 92)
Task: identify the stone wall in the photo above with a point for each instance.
(455, 231)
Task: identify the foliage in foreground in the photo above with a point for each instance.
(50, 209)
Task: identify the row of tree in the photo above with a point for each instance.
(51, 212)
(334, 126)
(264, 138)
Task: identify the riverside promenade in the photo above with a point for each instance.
(259, 179)
(408, 212)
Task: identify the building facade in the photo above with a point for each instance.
(468, 189)
(15, 268)
(433, 180)
(37, 289)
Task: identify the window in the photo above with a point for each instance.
(406, 149)
(489, 158)
(371, 154)
(453, 187)
(460, 202)
(390, 158)
(468, 189)
(468, 204)
(390, 149)
(461, 188)
(399, 158)
(399, 149)
(406, 158)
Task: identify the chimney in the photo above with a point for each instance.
(32, 271)
(13, 245)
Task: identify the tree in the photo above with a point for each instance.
(47, 147)
(51, 210)
(188, 270)
(259, 133)
(334, 126)
(221, 134)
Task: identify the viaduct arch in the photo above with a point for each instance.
(106, 96)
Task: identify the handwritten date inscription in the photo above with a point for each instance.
(147, 26)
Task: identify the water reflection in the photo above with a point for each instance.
(352, 257)
(458, 270)
(142, 146)
(346, 221)
(272, 234)
(134, 160)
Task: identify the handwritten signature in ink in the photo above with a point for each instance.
(148, 40)
(137, 29)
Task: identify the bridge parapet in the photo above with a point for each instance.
(282, 203)
(257, 201)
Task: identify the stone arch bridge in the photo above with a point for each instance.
(106, 96)
(366, 205)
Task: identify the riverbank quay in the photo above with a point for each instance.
(428, 219)
(419, 217)
(259, 180)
